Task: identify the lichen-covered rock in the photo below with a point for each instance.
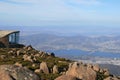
(12, 72)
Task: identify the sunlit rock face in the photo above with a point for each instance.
(81, 71)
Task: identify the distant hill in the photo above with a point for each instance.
(112, 68)
(86, 43)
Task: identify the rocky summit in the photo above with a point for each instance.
(29, 64)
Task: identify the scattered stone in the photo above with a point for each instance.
(2, 56)
(18, 64)
(18, 52)
(37, 55)
(33, 65)
(27, 58)
(37, 71)
(10, 52)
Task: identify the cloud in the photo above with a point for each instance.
(38, 9)
(77, 3)
(18, 1)
(83, 2)
(42, 11)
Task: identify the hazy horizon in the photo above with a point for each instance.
(65, 30)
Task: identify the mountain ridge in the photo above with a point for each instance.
(86, 43)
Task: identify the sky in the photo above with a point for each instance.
(59, 12)
(85, 14)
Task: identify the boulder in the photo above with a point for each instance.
(18, 64)
(2, 56)
(89, 66)
(27, 58)
(101, 70)
(106, 72)
(29, 47)
(19, 52)
(96, 67)
(37, 71)
(66, 77)
(55, 69)
(111, 78)
(37, 55)
(5, 76)
(81, 72)
(33, 65)
(12, 72)
(44, 68)
(10, 52)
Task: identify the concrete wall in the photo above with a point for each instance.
(5, 41)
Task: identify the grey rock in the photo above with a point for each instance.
(12, 72)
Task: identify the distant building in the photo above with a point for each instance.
(9, 38)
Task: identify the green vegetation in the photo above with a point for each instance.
(101, 76)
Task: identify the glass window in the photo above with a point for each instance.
(14, 38)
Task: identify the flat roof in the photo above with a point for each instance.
(4, 33)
